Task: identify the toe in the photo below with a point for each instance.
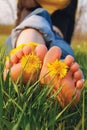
(14, 59)
(80, 84)
(19, 53)
(27, 50)
(78, 75)
(16, 70)
(41, 51)
(69, 60)
(74, 67)
(53, 54)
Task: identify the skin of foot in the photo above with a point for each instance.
(71, 85)
(14, 65)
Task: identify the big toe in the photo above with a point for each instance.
(53, 54)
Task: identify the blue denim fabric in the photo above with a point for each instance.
(40, 20)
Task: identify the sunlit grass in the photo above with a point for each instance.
(2, 39)
(29, 107)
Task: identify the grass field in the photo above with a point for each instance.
(28, 108)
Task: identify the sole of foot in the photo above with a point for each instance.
(71, 85)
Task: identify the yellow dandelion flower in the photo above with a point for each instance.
(57, 68)
(31, 44)
(13, 51)
(30, 63)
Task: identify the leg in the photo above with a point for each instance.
(30, 35)
(17, 59)
(70, 85)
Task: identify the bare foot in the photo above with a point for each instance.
(70, 85)
(25, 62)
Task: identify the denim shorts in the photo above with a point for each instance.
(40, 20)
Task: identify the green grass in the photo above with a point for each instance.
(29, 107)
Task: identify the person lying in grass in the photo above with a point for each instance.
(35, 40)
